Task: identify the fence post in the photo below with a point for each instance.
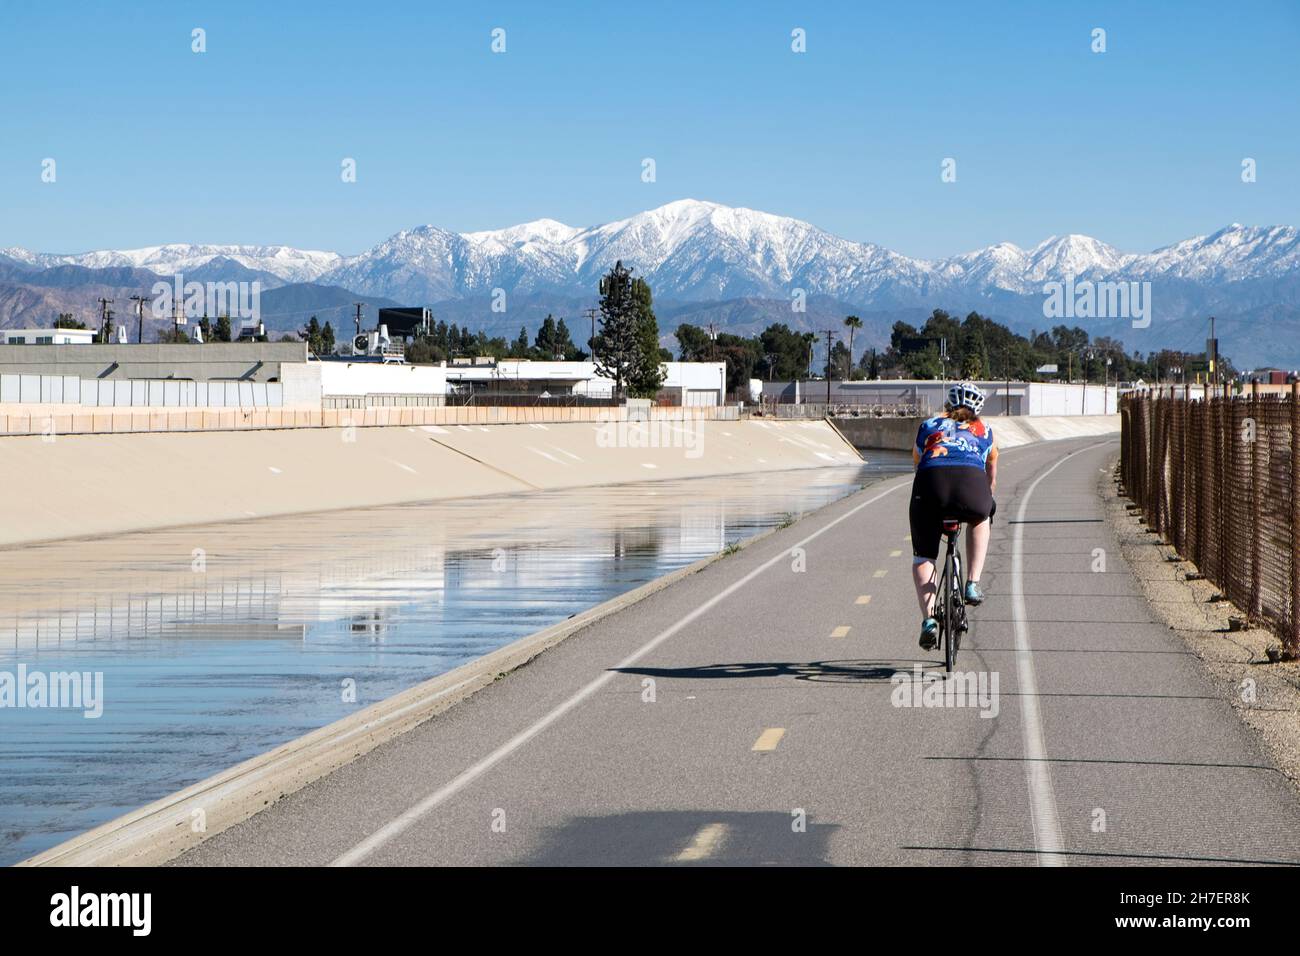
(1292, 640)
(1223, 447)
(1255, 607)
(1184, 485)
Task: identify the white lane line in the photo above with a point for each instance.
(397, 826)
(1038, 772)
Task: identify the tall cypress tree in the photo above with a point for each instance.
(647, 375)
(564, 341)
(617, 343)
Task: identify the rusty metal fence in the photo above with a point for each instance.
(1216, 479)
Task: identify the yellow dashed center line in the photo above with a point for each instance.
(863, 599)
(768, 739)
(894, 554)
(880, 573)
(841, 631)
(705, 841)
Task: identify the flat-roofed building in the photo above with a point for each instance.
(688, 383)
(47, 336)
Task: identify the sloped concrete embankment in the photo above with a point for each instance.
(897, 434)
(90, 485)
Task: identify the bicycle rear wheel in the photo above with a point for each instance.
(951, 631)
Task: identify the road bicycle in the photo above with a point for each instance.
(949, 603)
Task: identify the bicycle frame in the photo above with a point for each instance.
(950, 605)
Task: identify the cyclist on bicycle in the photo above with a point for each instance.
(956, 473)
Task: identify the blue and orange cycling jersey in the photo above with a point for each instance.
(942, 441)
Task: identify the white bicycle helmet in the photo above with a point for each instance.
(968, 394)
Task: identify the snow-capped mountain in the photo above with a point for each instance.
(687, 249)
(739, 266)
(692, 250)
(702, 251)
(291, 265)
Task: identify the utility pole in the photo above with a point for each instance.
(830, 334)
(1006, 362)
(591, 314)
(139, 301)
(105, 315)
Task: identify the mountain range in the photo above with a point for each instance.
(740, 267)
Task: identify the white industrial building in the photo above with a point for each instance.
(47, 336)
(689, 383)
(369, 383)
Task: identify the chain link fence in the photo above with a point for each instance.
(1216, 478)
(819, 410)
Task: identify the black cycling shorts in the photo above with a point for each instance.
(947, 491)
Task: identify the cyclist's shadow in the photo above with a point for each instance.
(840, 671)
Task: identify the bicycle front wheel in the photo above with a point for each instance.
(950, 633)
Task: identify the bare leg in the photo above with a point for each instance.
(923, 579)
(977, 546)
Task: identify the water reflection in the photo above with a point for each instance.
(219, 642)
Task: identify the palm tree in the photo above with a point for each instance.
(854, 323)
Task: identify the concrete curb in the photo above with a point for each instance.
(165, 828)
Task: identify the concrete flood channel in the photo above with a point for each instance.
(219, 642)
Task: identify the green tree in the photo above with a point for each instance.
(519, 347)
(648, 371)
(742, 357)
(66, 321)
(425, 350)
(311, 334)
(564, 346)
(873, 366)
(619, 342)
(785, 352)
(839, 359)
(692, 343)
(553, 341)
(221, 333)
(327, 342)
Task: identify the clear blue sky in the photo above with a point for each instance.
(1139, 146)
